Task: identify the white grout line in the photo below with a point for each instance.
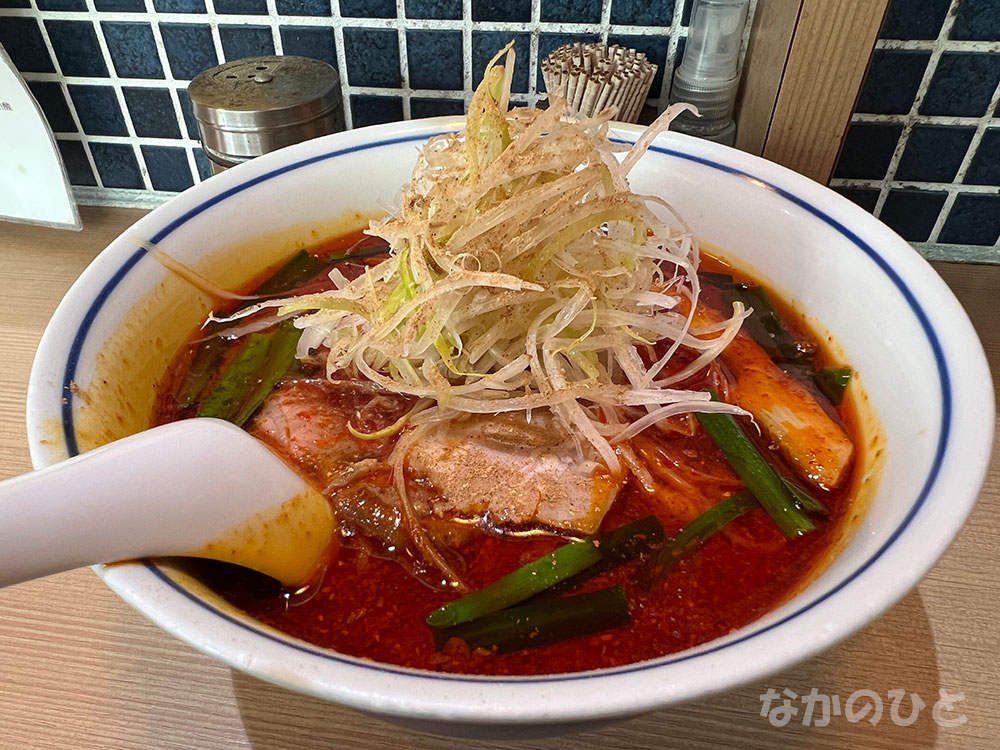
(272, 12)
(911, 116)
(663, 95)
(920, 119)
(338, 42)
(533, 41)
(977, 137)
(948, 45)
(467, 72)
(910, 184)
(61, 80)
(404, 61)
(133, 139)
(213, 22)
(353, 22)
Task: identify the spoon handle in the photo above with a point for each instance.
(197, 487)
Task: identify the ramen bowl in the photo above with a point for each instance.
(922, 376)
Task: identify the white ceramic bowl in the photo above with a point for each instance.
(897, 324)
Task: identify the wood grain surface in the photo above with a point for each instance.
(79, 669)
(823, 73)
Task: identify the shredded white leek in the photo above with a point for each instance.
(524, 274)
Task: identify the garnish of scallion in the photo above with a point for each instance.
(756, 473)
(542, 623)
(833, 382)
(519, 585)
(692, 536)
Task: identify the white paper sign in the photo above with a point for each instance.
(33, 183)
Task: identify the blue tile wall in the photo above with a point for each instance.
(440, 9)
(501, 10)
(963, 84)
(374, 110)
(168, 168)
(22, 38)
(303, 7)
(77, 5)
(76, 48)
(867, 198)
(435, 107)
(78, 167)
(318, 42)
(974, 220)
(132, 49)
(117, 165)
(892, 81)
(189, 48)
(923, 149)
(572, 11)
(977, 20)
(985, 166)
(179, 6)
(51, 99)
(152, 112)
(111, 76)
(914, 19)
(98, 109)
(120, 6)
(434, 59)
(868, 149)
(375, 57)
(934, 153)
(203, 164)
(368, 8)
(246, 41)
(241, 7)
(912, 213)
(642, 12)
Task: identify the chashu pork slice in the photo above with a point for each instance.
(507, 472)
(306, 421)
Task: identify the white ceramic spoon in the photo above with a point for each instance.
(198, 487)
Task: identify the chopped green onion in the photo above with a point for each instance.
(200, 372)
(689, 538)
(515, 587)
(302, 267)
(617, 547)
(764, 324)
(720, 281)
(833, 382)
(280, 356)
(756, 472)
(804, 499)
(543, 623)
(239, 379)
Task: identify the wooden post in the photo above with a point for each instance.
(805, 66)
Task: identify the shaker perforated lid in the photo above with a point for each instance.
(249, 107)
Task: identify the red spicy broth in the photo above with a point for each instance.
(372, 607)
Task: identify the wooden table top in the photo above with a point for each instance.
(80, 669)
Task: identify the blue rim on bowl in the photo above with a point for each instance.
(761, 178)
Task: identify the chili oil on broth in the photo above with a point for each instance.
(372, 607)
